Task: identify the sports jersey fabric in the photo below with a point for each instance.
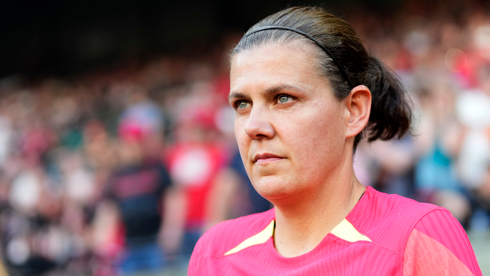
(382, 235)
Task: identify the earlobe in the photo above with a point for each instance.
(358, 104)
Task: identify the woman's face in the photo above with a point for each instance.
(290, 128)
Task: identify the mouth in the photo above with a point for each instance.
(266, 157)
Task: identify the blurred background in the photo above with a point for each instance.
(116, 137)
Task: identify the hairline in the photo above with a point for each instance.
(317, 54)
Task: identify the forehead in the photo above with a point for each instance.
(274, 64)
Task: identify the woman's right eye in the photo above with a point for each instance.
(241, 105)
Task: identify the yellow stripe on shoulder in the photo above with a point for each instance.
(346, 231)
(259, 238)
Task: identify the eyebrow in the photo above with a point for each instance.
(236, 95)
(268, 91)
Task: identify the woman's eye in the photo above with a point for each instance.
(242, 105)
(283, 99)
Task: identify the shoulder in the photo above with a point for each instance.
(228, 234)
(388, 219)
(438, 242)
(380, 209)
(425, 236)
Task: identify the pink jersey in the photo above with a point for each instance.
(383, 235)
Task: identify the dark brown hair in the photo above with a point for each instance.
(390, 111)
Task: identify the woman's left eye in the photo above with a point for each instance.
(283, 99)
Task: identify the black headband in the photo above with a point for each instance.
(308, 36)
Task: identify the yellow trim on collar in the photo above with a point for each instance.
(259, 238)
(346, 231)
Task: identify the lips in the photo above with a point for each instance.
(266, 157)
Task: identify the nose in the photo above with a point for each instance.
(258, 125)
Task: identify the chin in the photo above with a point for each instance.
(273, 188)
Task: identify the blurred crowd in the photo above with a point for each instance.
(122, 169)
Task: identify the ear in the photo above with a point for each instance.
(358, 109)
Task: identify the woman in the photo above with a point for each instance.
(305, 92)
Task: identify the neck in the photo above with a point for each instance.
(302, 224)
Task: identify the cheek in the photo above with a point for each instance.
(243, 141)
(240, 135)
(319, 138)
